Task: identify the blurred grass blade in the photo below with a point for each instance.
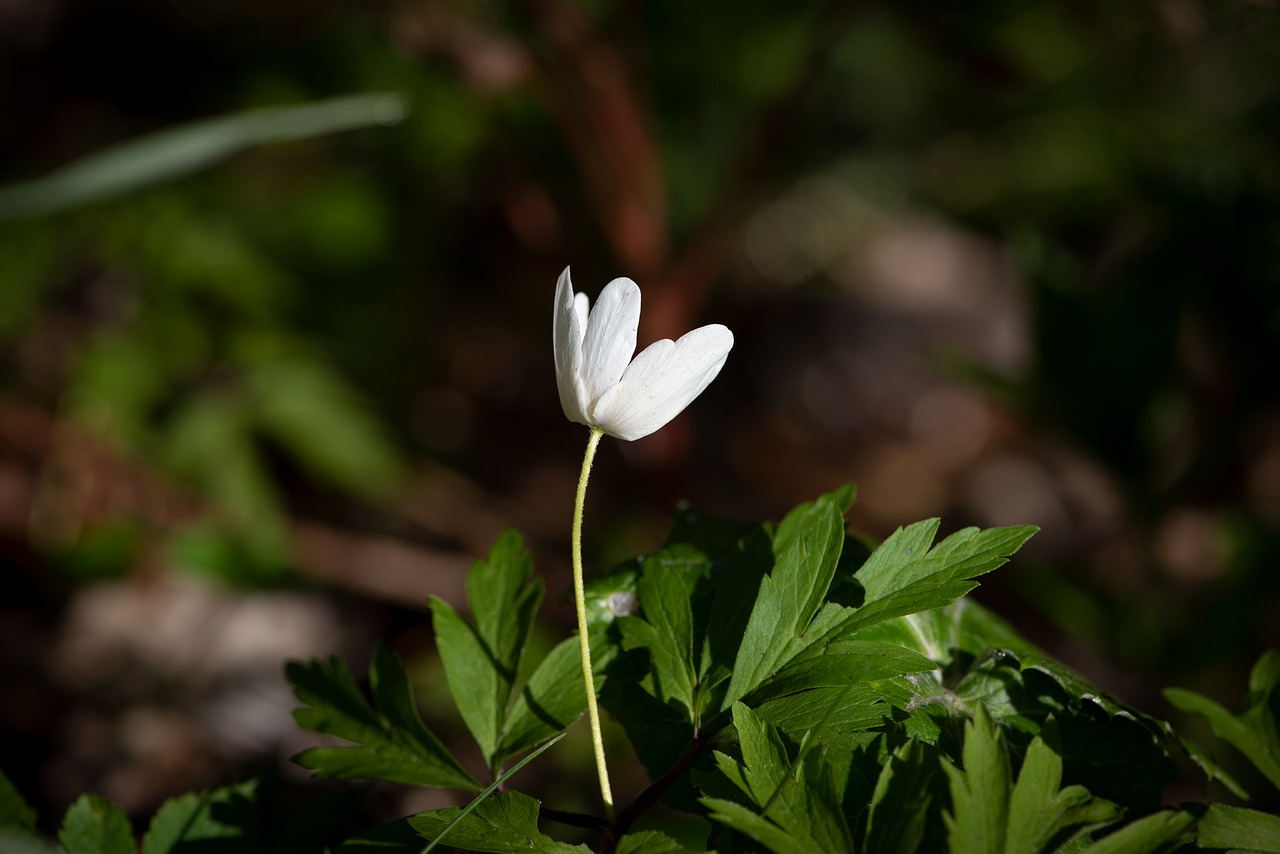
(179, 151)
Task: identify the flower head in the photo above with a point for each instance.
(602, 386)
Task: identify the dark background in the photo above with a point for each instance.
(1011, 261)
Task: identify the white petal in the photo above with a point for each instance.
(567, 329)
(662, 381)
(610, 339)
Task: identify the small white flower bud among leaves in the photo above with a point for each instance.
(602, 387)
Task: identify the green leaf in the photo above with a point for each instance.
(391, 741)
(479, 799)
(172, 153)
(94, 825)
(841, 664)
(806, 550)
(896, 563)
(1226, 826)
(658, 733)
(903, 576)
(505, 823)
(1039, 811)
(1161, 831)
(222, 820)
(651, 842)
(554, 695)
(482, 659)
(1249, 734)
(1117, 752)
(757, 827)
(840, 712)
(924, 595)
(397, 837)
(1209, 766)
(16, 815)
(901, 801)
(834, 687)
(980, 793)
(799, 798)
(666, 630)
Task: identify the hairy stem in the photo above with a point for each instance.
(579, 596)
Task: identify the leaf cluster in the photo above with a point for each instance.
(787, 688)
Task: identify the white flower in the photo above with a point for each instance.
(602, 386)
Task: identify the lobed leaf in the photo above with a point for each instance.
(1039, 810)
(651, 842)
(799, 799)
(1249, 735)
(482, 658)
(554, 695)
(1224, 826)
(900, 803)
(222, 820)
(94, 825)
(806, 550)
(980, 793)
(391, 742)
(666, 631)
(505, 823)
(1160, 831)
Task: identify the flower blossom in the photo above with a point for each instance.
(602, 387)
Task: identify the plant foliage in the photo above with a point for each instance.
(786, 688)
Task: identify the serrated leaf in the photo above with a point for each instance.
(16, 815)
(390, 740)
(472, 677)
(222, 820)
(894, 564)
(652, 842)
(554, 695)
(1118, 752)
(1226, 826)
(806, 551)
(479, 800)
(834, 690)
(743, 820)
(1210, 767)
(1039, 809)
(94, 825)
(1158, 832)
(657, 732)
(482, 658)
(739, 575)
(980, 792)
(800, 798)
(842, 664)
(666, 631)
(904, 576)
(505, 823)
(901, 801)
(1236, 731)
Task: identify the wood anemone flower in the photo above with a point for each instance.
(602, 387)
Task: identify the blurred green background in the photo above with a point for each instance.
(275, 303)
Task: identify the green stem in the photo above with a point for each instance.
(580, 599)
